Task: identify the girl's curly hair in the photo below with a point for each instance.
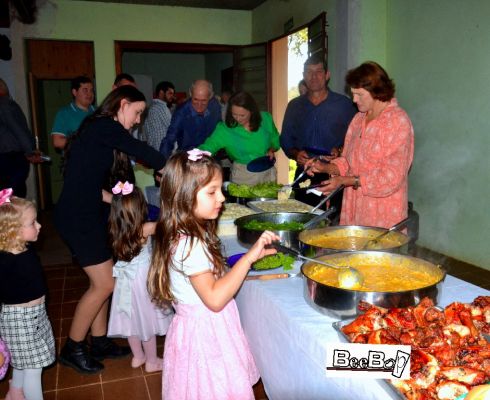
(128, 214)
(11, 223)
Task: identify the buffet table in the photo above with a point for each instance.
(288, 338)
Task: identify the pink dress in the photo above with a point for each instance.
(380, 153)
(132, 311)
(206, 354)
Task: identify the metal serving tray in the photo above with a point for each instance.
(292, 206)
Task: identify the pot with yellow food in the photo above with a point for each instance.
(334, 239)
(390, 280)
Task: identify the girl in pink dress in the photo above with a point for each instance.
(377, 154)
(206, 354)
(133, 315)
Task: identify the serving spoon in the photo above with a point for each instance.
(348, 277)
(376, 239)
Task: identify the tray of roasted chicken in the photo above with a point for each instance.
(450, 348)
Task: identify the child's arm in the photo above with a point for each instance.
(149, 229)
(216, 293)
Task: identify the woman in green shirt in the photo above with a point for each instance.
(245, 135)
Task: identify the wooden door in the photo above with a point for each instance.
(52, 61)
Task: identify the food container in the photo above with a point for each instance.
(289, 205)
(226, 222)
(350, 238)
(343, 303)
(289, 238)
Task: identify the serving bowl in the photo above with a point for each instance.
(288, 237)
(334, 239)
(343, 303)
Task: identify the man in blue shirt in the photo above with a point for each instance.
(193, 121)
(315, 123)
(69, 118)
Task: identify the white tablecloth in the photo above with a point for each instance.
(288, 338)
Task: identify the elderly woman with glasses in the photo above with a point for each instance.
(377, 153)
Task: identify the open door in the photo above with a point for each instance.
(252, 72)
(51, 66)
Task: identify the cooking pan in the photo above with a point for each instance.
(343, 303)
(349, 238)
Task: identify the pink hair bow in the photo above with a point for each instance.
(5, 195)
(196, 154)
(124, 188)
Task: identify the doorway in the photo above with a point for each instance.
(51, 66)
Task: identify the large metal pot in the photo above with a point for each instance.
(353, 237)
(343, 303)
(289, 238)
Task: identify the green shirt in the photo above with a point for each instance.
(243, 146)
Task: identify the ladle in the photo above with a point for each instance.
(348, 277)
(376, 239)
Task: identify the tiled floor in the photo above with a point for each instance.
(119, 381)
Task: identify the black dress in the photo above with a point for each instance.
(79, 216)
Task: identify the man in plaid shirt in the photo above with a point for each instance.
(159, 115)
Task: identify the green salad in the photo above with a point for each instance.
(255, 225)
(267, 190)
(274, 261)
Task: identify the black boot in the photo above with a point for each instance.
(76, 355)
(103, 347)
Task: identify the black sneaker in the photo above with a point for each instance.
(76, 355)
(103, 347)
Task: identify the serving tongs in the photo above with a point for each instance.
(348, 277)
(327, 198)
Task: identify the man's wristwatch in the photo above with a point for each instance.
(356, 183)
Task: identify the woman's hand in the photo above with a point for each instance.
(302, 157)
(270, 154)
(331, 184)
(258, 250)
(106, 196)
(321, 165)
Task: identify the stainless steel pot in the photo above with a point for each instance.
(364, 233)
(343, 303)
(289, 238)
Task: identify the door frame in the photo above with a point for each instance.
(49, 59)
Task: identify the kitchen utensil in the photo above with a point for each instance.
(248, 236)
(308, 187)
(261, 164)
(312, 222)
(348, 277)
(298, 178)
(268, 277)
(327, 197)
(333, 239)
(342, 303)
(376, 239)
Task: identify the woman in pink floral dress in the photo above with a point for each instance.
(377, 154)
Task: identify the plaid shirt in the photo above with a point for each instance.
(157, 123)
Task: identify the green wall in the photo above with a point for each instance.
(439, 55)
